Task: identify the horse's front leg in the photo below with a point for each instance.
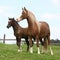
(27, 42)
(31, 45)
(18, 44)
(37, 40)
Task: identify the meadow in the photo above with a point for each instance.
(9, 52)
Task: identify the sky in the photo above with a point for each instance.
(44, 10)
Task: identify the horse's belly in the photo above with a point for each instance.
(44, 34)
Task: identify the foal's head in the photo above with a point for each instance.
(24, 14)
(10, 22)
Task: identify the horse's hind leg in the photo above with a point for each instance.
(45, 44)
(27, 42)
(51, 51)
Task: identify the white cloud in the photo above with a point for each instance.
(55, 32)
(4, 11)
(51, 16)
(3, 8)
(55, 2)
(47, 16)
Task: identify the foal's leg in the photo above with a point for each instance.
(27, 42)
(31, 45)
(18, 44)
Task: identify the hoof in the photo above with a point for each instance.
(51, 53)
(38, 51)
(19, 50)
(31, 50)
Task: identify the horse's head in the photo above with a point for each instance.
(24, 14)
(10, 22)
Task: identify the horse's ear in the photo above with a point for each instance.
(25, 9)
(22, 9)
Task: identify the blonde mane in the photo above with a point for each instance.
(33, 19)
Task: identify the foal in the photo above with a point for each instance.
(19, 32)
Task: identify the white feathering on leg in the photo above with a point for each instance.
(31, 49)
(51, 51)
(38, 50)
(20, 50)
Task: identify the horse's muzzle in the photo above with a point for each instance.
(7, 26)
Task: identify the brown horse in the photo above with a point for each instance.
(33, 27)
(36, 29)
(19, 32)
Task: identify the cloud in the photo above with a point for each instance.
(55, 32)
(55, 2)
(47, 16)
(51, 16)
(5, 11)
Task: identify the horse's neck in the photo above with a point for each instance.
(31, 20)
(15, 26)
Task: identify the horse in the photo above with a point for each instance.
(19, 33)
(36, 29)
(33, 28)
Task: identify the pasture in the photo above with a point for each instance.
(9, 52)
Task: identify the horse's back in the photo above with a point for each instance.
(44, 29)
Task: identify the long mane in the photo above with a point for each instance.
(15, 21)
(33, 19)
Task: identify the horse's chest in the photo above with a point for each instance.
(16, 33)
(32, 32)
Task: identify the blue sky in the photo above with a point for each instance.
(44, 10)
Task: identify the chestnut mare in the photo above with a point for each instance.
(36, 29)
(33, 28)
(19, 32)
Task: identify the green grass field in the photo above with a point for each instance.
(9, 52)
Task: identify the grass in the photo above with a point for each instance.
(9, 52)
